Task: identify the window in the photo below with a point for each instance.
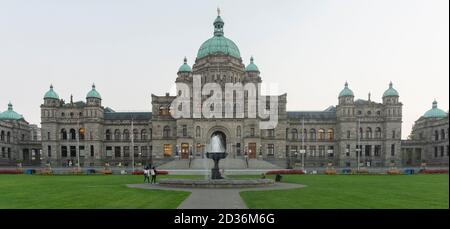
(144, 151)
(322, 151)
(238, 149)
(73, 134)
(63, 151)
(378, 132)
(270, 150)
(321, 134)
(126, 151)
(377, 150)
(312, 151)
(369, 133)
(393, 150)
(136, 151)
(144, 134)
(81, 133)
(252, 132)
(117, 152)
(436, 135)
(442, 134)
(330, 151)
(2, 136)
(167, 150)
(348, 134)
(294, 134)
(197, 132)
(368, 150)
(73, 151)
(81, 151)
(271, 133)
(435, 151)
(135, 134)
(347, 151)
(238, 132)
(166, 132)
(393, 134)
(92, 151)
(312, 134)
(126, 134)
(108, 135)
(359, 112)
(49, 151)
(117, 135)
(184, 131)
(63, 134)
(109, 151)
(330, 134)
(442, 151)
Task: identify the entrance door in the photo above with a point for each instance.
(184, 151)
(252, 150)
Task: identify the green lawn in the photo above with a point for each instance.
(364, 191)
(75, 192)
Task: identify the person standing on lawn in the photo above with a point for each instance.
(147, 174)
(153, 174)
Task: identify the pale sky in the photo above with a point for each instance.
(131, 49)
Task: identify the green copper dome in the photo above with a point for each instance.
(346, 91)
(435, 112)
(93, 93)
(51, 94)
(390, 91)
(252, 66)
(219, 43)
(185, 67)
(10, 114)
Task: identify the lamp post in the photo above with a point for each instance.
(358, 148)
(132, 143)
(78, 145)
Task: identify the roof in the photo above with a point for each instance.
(51, 94)
(185, 67)
(252, 66)
(128, 115)
(435, 112)
(329, 113)
(93, 93)
(390, 91)
(346, 91)
(10, 114)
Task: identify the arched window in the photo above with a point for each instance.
(144, 135)
(150, 133)
(330, 134)
(378, 132)
(436, 135)
(238, 132)
(287, 133)
(305, 134)
(81, 133)
(63, 134)
(197, 132)
(73, 134)
(442, 134)
(108, 135)
(321, 134)
(117, 135)
(294, 134)
(8, 137)
(2, 136)
(126, 134)
(166, 132)
(360, 133)
(135, 134)
(312, 134)
(369, 133)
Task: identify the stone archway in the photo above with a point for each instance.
(222, 131)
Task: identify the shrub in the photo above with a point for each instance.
(138, 172)
(162, 172)
(290, 171)
(433, 171)
(330, 172)
(105, 171)
(45, 172)
(11, 171)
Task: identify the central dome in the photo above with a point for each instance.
(219, 43)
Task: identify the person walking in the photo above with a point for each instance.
(147, 174)
(153, 174)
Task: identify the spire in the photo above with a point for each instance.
(93, 85)
(251, 59)
(390, 84)
(369, 96)
(10, 106)
(434, 104)
(185, 60)
(218, 25)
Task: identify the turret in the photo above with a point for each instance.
(51, 98)
(390, 96)
(93, 98)
(346, 97)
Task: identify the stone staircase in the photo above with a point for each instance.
(227, 163)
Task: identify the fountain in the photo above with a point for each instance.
(216, 153)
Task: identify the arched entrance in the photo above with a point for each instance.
(222, 137)
(223, 133)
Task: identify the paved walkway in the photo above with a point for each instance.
(227, 198)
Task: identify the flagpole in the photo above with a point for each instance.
(132, 142)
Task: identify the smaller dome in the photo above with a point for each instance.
(435, 112)
(51, 94)
(346, 91)
(390, 91)
(185, 67)
(93, 93)
(10, 114)
(252, 66)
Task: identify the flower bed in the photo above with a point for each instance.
(45, 172)
(433, 171)
(11, 171)
(291, 171)
(393, 172)
(330, 172)
(105, 171)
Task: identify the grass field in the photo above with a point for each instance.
(364, 191)
(106, 192)
(82, 192)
